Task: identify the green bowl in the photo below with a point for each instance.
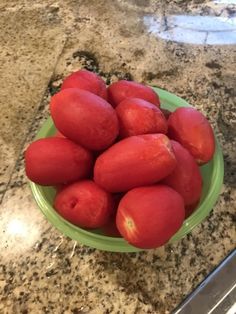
(212, 174)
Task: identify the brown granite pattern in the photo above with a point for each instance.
(26, 65)
(41, 271)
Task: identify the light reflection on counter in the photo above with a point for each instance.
(232, 310)
(17, 227)
(193, 29)
(224, 1)
(19, 234)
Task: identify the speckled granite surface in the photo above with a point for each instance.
(41, 271)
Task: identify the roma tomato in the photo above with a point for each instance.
(86, 80)
(84, 118)
(137, 116)
(191, 129)
(148, 217)
(57, 160)
(186, 177)
(121, 90)
(84, 204)
(135, 161)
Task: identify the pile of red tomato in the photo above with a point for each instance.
(119, 161)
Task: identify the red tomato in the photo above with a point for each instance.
(84, 204)
(135, 161)
(110, 228)
(121, 90)
(86, 80)
(55, 160)
(137, 116)
(84, 118)
(148, 217)
(186, 177)
(191, 129)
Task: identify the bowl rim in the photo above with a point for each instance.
(119, 244)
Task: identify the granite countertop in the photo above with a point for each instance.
(42, 271)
